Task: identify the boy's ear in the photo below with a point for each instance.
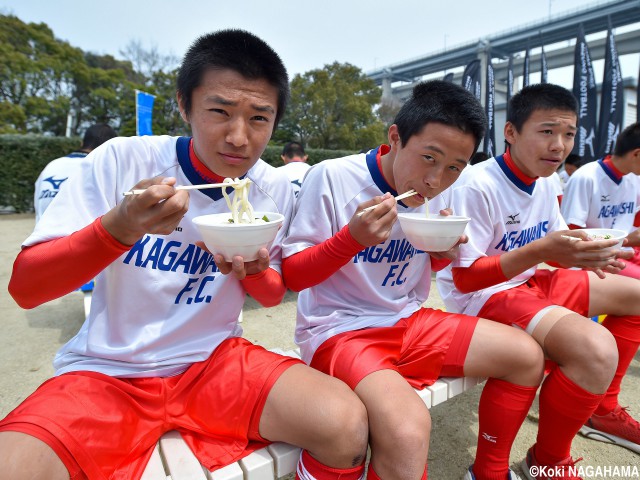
(510, 132)
(394, 136)
(183, 113)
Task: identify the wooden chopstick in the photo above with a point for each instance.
(187, 187)
(399, 197)
(573, 239)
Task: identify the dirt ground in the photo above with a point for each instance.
(29, 339)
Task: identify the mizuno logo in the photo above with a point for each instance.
(489, 438)
(513, 219)
(55, 183)
(604, 198)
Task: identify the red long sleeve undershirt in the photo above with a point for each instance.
(315, 264)
(49, 270)
(266, 287)
(52, 269)
(483, 273)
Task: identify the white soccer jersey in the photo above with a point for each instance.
(380, 285)
(595, 198)
(505, 214)
(558, 186)
(52, 178)
(295, 171)
(163, 304)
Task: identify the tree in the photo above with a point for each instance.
(334, 108)
(36, 76)
(146, 62)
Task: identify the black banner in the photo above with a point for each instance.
(489, 146)
(612, 100)
(586, 92)
(525, 69)
(544, 70)
(509, 82)
(471, 78)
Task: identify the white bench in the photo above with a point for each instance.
(173, 460)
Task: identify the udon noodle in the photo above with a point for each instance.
(241, 209)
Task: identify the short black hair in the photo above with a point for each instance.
(629, 139)
(479, 157)
(96, 135)
(293, 149)
(236, 50)
(437, 101)
(573, 159)
(539, 96)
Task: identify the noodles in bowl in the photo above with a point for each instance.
(242, 231)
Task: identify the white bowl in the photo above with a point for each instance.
(244, 239)
(600, 233)
(435, 233)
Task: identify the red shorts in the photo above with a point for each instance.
(632, 268)
(547, 288)
(106, 428)
(428, 344)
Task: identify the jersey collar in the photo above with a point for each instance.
(375, 169)
(77, 155)
(610, 169)
(196, 171)
(513, 173)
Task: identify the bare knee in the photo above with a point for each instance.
(25, 457)
(600, 356)
(401, 450)
(590, 359)
(527, 361)
(343, 438)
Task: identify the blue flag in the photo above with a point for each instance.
(144, 109)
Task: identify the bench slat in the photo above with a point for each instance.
(180, 461)
(230, 472)
(439, 392)
(455, 384)
(285, 458)
(258, 465)
(155, 468)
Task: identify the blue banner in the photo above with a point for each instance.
(144, 110)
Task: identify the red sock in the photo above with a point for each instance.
(626, 331)
(372, 475)
(311, 469)
(564, 407)
(503, 407)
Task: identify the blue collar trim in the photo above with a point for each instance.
(513, 177)
(609, 172)
(376, 174)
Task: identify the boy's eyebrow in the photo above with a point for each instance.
(223, 101)
(555, 124)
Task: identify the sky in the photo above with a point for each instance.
(307, 34)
